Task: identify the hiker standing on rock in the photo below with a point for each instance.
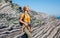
(25, 21)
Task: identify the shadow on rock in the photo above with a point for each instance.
(23, 36)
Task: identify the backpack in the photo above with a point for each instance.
(22, 20)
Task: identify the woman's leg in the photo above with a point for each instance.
(27, 32)
(23, 28)
(30, 28)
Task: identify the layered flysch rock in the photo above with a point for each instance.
(43, 26)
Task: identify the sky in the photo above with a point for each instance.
(50, 7)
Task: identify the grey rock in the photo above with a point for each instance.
(43, 26)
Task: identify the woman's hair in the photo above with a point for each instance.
(25, 8)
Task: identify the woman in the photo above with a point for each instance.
(25, 20)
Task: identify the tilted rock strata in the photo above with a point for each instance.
(44, 26)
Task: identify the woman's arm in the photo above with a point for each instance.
(21, 17)
(23, 21)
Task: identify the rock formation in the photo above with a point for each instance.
(43, 26)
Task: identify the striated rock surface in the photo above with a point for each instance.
(43, 26)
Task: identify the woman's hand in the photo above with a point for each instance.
(26, 24)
